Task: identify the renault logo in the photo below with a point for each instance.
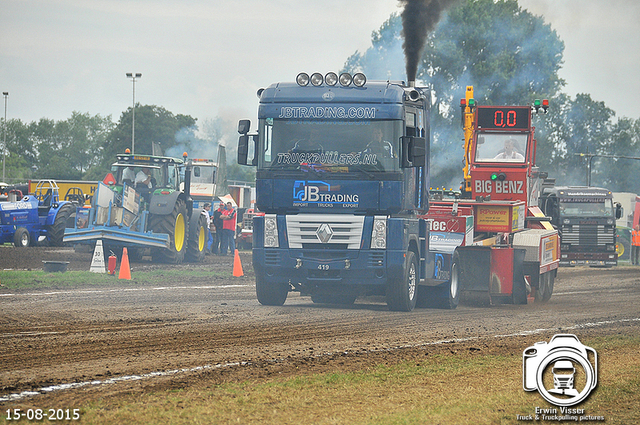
(324, 233)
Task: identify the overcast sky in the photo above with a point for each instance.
(207, 58)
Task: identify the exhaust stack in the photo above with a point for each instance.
(418, 18)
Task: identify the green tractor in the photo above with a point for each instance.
(140, 205)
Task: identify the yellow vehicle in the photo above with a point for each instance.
(80, 191)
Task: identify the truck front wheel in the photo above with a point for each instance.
(270, 293)
(21, 238)
(402, 293)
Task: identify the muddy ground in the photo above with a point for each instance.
(64, 345)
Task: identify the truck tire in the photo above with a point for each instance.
(446, 295)
(197, 239)
(21, 238)
(270, 293)
(451, 299)
(402, 293)
(545, 287)
(55, 233)
(174, 225)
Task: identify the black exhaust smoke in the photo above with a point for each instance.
(418, 18)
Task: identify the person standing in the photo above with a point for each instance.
(217, 226)
(207, 212)
(635, 245)
(228, 229)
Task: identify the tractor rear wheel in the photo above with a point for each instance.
(174, 225)
(62, 221)
(197, 239)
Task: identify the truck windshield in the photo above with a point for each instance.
(596, 207)
(501, 147)
(330, 146)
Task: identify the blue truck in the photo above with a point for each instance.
(342, 177)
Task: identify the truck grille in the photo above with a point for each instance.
(320, 230)
(587, 235)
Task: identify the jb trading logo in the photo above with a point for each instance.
(564, 372)
(319, 194)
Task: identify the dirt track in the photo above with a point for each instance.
(216, 329)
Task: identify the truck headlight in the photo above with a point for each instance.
(379, 233)
(270, 231)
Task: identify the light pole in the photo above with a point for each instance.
(133, 111)
(4, 143)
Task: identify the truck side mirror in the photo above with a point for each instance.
(418, 151)
(619, 210)
(244, 126)
(413, 151)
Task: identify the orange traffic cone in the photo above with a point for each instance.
(125, 271)
(237, 266)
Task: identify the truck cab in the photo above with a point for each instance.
(342, 171)
(586, 221)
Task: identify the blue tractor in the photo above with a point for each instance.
(43, 214)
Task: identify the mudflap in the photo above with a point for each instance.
(492, 274)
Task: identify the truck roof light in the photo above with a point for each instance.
(302, 79)
(331, 78)
(359, 79)
(317, 79)
(345, 79)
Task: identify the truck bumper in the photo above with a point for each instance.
(116, 235)
(589, 259)
(316, 268)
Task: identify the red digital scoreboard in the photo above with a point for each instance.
(503, 117)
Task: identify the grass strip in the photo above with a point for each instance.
(441, 389)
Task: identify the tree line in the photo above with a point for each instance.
(84, 146)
